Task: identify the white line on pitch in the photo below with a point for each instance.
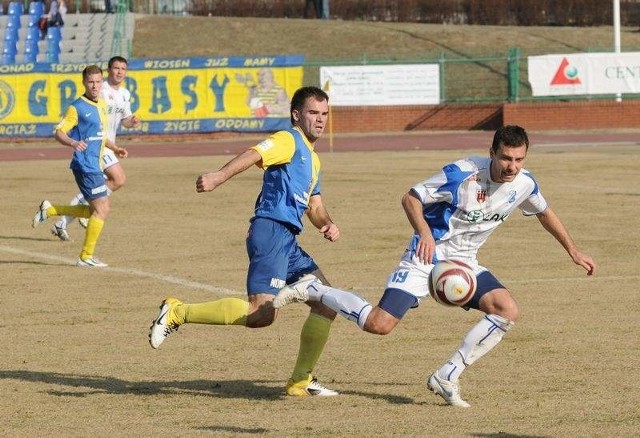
(162, 277)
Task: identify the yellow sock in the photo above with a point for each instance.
(69, 210)
(313, 338)
(225, 311)
(94, 228)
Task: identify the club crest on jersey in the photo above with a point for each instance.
(481, 195)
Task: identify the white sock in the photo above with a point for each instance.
(64, 220)
(346, 304)
(485, 335)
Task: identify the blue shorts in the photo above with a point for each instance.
(275, 258)
(397, 302)
(91, 185)
(486, 283)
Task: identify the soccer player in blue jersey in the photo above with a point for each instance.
(118, 101)
(83, 128)
(452, 214)
(290, 189)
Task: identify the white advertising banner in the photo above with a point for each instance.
(584, 73)
(371, 85)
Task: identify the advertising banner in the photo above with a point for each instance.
(409, 84)
(584, 73)
(188, 95)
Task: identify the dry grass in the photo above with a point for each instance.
(477, 55)
(321, 40)
(76, 361)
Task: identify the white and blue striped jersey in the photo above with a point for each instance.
(463, 206)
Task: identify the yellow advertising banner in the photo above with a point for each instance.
(170, 95)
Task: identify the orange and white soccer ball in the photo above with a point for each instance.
(452, 283)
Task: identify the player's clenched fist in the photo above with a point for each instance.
(208, 181)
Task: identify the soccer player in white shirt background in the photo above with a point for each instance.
(452, 214)
(118, 101)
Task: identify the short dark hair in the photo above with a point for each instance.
(91, 70)
(510, 136)
(116, 59)
(302, 94)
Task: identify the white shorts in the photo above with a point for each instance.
(412, 276)
(109, 158)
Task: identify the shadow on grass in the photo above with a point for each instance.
(83, 386)
(26, 238)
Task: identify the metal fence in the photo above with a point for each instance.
(500, 77)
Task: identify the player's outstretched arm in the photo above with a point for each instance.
(209, 181)
(319, 217)
(551, 222)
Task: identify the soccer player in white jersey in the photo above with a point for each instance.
(118, 101)
(452, 214)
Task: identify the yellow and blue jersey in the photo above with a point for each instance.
(86, 120)
(291, 177)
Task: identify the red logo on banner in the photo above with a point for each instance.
(481, 195)
(566, 74)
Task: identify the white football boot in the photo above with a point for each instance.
(449, 391)
(294, 292)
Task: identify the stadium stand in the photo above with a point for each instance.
(83, 38)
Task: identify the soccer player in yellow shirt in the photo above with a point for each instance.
(290, 189)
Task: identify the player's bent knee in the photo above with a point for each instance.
(380, 322)
(260, 319)
(378, 330)
(261, 314)
(501, 304)
(116, 183)
(116, 177)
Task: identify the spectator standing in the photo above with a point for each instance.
(54, 17)
(63, 10)
(316, 6)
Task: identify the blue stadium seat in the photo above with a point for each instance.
(36, 9)
(29, 57)
(54, 33)
(10, 42)
(33, 33)
(13, 21)
(33, 21)
(9, 49)
(8, 59)
(15, 8)
(31, 46)
(11, 34)
(53, 57)
(53, 47)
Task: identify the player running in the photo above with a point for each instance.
(118, 100)
(452, 214)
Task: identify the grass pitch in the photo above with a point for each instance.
(76, 361)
